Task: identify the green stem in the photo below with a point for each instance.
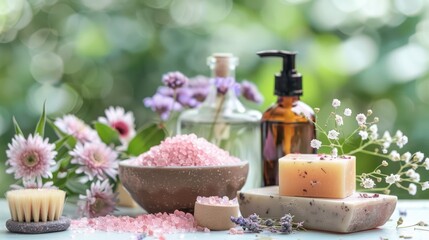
(218, 109)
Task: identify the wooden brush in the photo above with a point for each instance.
(36, 205)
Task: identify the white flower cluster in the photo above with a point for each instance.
(375, 144)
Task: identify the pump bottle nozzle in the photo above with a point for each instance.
(288, 82)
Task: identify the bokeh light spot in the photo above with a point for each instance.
(47, 67)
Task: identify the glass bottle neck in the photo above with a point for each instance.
(287, 101)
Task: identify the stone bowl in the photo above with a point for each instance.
(165, 189)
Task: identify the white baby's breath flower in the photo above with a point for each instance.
(398, 134)
(394, 156)
(374, 132)
(425, 186)
(426, 164)
(363, 135)
(384, 151)
(347, 112)
(406, 157)
(368, 183)
(384, 163)
(419, 156)
(410, 172)
(361, 118)
(373, 128)
(402, 141)
(339, 120)
(315, 143)
(336, 103)
(415, 177)
(369, 112)
(334, 152)
(393, 178)
(332, 134)
(412, 189)
(387, 140)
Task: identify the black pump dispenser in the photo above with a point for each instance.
(288, 82)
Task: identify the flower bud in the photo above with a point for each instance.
(376, 120)
(387, 191)
(316, 110)
(378, 171)
(369, 112)
(385, 163)
(414, 166)
(379, 179)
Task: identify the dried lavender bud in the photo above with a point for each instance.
(174, 80)
(250, 92)
(224, 84)
(255, 224)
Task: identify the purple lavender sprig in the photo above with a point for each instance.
(163, 105)
(255, 224)
(223, 84)
(251, 92)
(174, 80)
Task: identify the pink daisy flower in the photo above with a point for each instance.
(74, 126)
(99, 200)
(121, 121)
(96, 160)
(30, 158)
(32, 183)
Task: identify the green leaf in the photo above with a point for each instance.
(40, 128)
(107, 134)
(71, 140)
(60, 142)
(145, 139)
(17, 128)
(75, 186)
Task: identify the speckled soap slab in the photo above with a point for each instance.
(59, 225)
(358, 212)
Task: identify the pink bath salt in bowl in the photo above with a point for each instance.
(173, 174)
(185, 150)
(217, 201)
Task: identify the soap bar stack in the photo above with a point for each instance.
(317, 175)
(319, 190)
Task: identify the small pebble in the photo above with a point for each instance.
(59, 225)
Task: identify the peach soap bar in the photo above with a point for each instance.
(360, 211)
(317, 175)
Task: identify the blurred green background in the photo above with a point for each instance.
(82, 56)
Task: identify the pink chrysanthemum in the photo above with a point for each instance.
(99, 200)
(121, 121)
(30, 158)
(74, 126)
(33, 183)
(96, 160)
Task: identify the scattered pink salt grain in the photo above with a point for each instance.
(235, 231)
(185, 150)
(217, 201)
(150, 224)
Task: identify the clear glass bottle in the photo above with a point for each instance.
(223, 120)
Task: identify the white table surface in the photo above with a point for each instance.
(417, 210)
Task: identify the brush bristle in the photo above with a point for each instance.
(36, 205)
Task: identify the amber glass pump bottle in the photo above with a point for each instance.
(285, 126)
